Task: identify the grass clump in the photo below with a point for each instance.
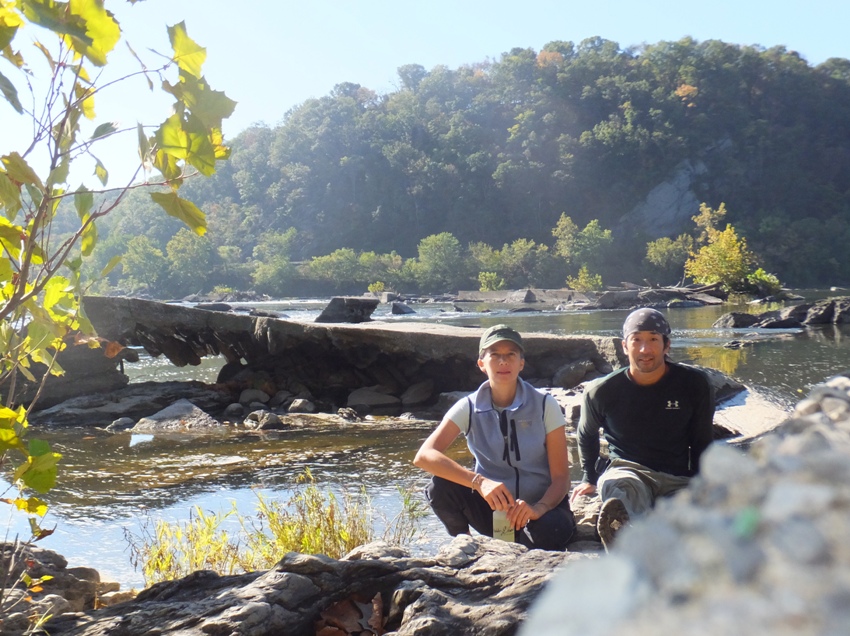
(310, 522)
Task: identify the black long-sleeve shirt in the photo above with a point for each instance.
(664, 426)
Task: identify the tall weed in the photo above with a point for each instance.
(310, 522)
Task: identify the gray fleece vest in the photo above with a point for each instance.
(511, 448)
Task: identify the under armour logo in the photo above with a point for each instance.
(672, 404)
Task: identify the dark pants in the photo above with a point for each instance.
(459, 507)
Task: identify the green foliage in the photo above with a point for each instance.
(273, 267)
(668, 256)
(376, 288)
(588, 249)
(311, 522)
(43, 251)
(191, 258)
(585, 281)
(495, 151)
(725, 259)
(340, 265)
(490, 281)
(144, 266)
(441, 265)
(764, 283)
(524, 263)
(707, 221)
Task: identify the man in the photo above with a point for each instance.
(516, 434)
(657, 419)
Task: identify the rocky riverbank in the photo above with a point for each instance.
(756, 544)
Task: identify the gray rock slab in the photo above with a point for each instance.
(473, 585)
(180, 415)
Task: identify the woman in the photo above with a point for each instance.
(516, 434)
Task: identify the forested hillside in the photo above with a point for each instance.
(497, 151)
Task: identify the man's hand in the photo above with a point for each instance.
(496, 494)
(583, 490)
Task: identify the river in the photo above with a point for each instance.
(112, 484)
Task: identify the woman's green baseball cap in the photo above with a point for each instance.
(498, 333)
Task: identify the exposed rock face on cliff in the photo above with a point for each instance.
(669, 206)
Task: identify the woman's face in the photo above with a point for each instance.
(502, 362)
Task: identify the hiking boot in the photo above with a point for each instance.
(613, 517)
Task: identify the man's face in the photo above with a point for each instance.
(646, 350)
(502, 362)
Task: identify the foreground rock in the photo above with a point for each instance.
(86, 371)
(64, 589)
(472, 586)
(756, 545)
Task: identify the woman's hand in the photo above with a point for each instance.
(496, 494)
(522, 512)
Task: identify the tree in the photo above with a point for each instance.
(725, 259)
(668, 256)
(585, 281)
(588, 248)
(340, 266)
(145, 266)
(273, 268)
(40, 274)
(592, 245)
(191, 260)
(441, 264)
(565, 238)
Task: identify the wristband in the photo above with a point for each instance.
(476, 481)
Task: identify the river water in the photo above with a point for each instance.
(112, 484)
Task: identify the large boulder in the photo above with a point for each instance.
(474, 585)
(182, 415)
(348, 309)
(87, 371)
(823, 312)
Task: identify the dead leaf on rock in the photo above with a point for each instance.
(355, 616)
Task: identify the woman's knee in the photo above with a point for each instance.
(552, 531)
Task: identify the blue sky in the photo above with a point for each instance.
(274, 54)
(270, 55)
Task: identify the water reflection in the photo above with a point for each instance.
(720, 358)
